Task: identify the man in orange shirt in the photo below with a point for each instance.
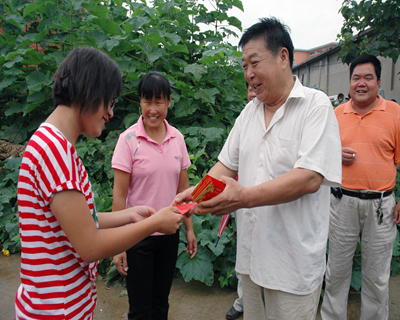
(365, 206)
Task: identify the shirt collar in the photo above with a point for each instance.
(296, 92)
(381, 106)
(141, 131)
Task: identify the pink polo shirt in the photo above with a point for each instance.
(154, 169)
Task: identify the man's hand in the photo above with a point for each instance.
(396, 215)
(226, 202)
(183, 197)
(140, 213)
(348, 155)
(121, 263)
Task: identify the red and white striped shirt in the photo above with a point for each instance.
(55, 282)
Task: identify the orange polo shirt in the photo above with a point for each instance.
(376, 138)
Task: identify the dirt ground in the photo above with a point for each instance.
(188, 301)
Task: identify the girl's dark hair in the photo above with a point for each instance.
(85, 79)
(154, 84)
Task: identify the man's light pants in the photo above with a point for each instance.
(350, 218)
(238, 304)
(265, 304)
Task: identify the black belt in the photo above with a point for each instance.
(338, 192)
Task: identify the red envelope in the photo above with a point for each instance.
(208, 188)
(186, 207)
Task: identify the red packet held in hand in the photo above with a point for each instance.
(207, 189)
(186, 207)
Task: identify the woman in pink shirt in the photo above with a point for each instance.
(150, 162)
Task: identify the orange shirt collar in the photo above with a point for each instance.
(381, 106)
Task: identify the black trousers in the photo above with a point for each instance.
(151, 269)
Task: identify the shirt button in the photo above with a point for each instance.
(261, 164)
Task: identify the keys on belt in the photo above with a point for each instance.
(339, 192)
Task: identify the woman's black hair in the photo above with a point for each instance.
(86, 79)
(154, 84)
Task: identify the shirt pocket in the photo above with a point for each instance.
(287, 155)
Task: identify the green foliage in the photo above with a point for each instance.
(206, 77)
(209, 258)
(376, 24)
(9, 227)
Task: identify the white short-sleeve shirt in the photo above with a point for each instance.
(282, 247)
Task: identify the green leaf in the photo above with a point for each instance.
(58, 56)
(196, 69)
(153, 53)
(395, 266)
(33, 6)
(112, 273)
(211, 134)
(199, 268)
(209, 238)
(192, 142)
(108, 26)
(177, 48)
(181, 246)
(7, 82)
(185, 107)
(76, 4)
(38, 37)
(238, 4)
(152, 12)
(356, 278)
(13, 164)
(207, 95)
(168, 5)
(97, 10)
(14, 107)
(235, 22)
(12, 229)
(33, 57)
(11, 63)
(138, 22)
(173, 36)
(110, 44)
(37, 80)
(13, 71)
(16, 20)
(16, 133)
(130, 119)
(396, 245)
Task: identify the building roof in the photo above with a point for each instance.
(323, 46)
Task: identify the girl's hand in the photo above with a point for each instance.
(121, 263)
(168, 220)
(140, 213)
(192, 243)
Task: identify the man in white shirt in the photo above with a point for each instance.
(285, 147)
(236, 311)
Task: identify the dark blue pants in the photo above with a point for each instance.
(151, 269)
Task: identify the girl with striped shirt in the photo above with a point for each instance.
(62, 235)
